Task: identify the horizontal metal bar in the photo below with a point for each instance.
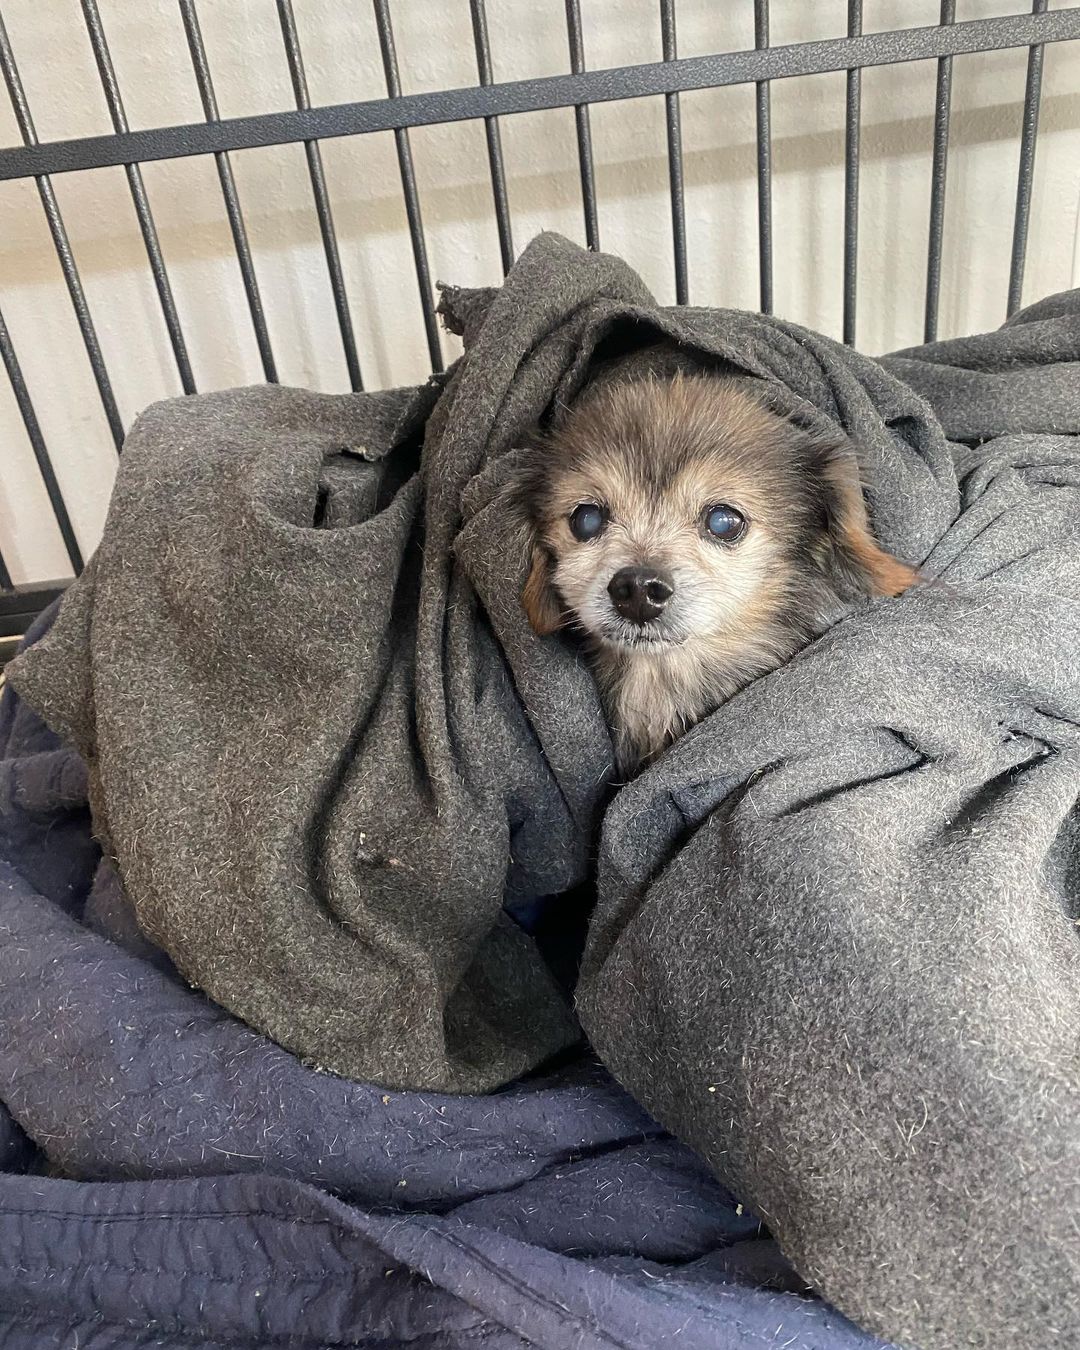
(554, 91)
(21, 605)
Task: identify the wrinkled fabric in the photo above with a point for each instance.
(833, 948)
(299, 672)
(169, 1178)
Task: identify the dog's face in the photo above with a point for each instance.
(668, 511)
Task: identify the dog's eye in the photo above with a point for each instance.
(725, 523)
(586, 521)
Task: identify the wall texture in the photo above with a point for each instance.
(435, 51)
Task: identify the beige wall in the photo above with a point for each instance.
(435, 51)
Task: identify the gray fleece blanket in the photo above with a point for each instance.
(833, 947)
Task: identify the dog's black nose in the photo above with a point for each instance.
(640, 593)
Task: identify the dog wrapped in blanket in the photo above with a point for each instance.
(697, 540)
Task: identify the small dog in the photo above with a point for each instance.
(697, 540)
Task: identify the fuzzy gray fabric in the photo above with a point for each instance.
(834, 944)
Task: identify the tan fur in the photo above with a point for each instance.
(888, 575)
(655, 455)
(654, 697)
(539, 599)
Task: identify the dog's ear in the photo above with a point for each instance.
(857, 563)
(539, 598)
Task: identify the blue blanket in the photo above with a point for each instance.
(171, 1178)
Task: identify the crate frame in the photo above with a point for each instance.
(487, 101)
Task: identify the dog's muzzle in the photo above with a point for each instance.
(640, 594)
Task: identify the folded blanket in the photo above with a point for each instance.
(209, 1190)
(833, 947)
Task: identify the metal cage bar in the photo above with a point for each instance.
(201, 67)
(325, 215)
(764, 161)
(553, 91)
(1028, 134)
(20, 606)
(489, 101)
(478, 16)
(669, 38)
(408, 185)
(61, 242)
(852, 130)
(938, 176)
(584, 131)
(145, 217)
(37, 444)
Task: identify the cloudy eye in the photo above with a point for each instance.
(586, 521)
(725, 523)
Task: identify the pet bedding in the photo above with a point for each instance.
(833, 945)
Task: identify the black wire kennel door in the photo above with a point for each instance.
(485, 101)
